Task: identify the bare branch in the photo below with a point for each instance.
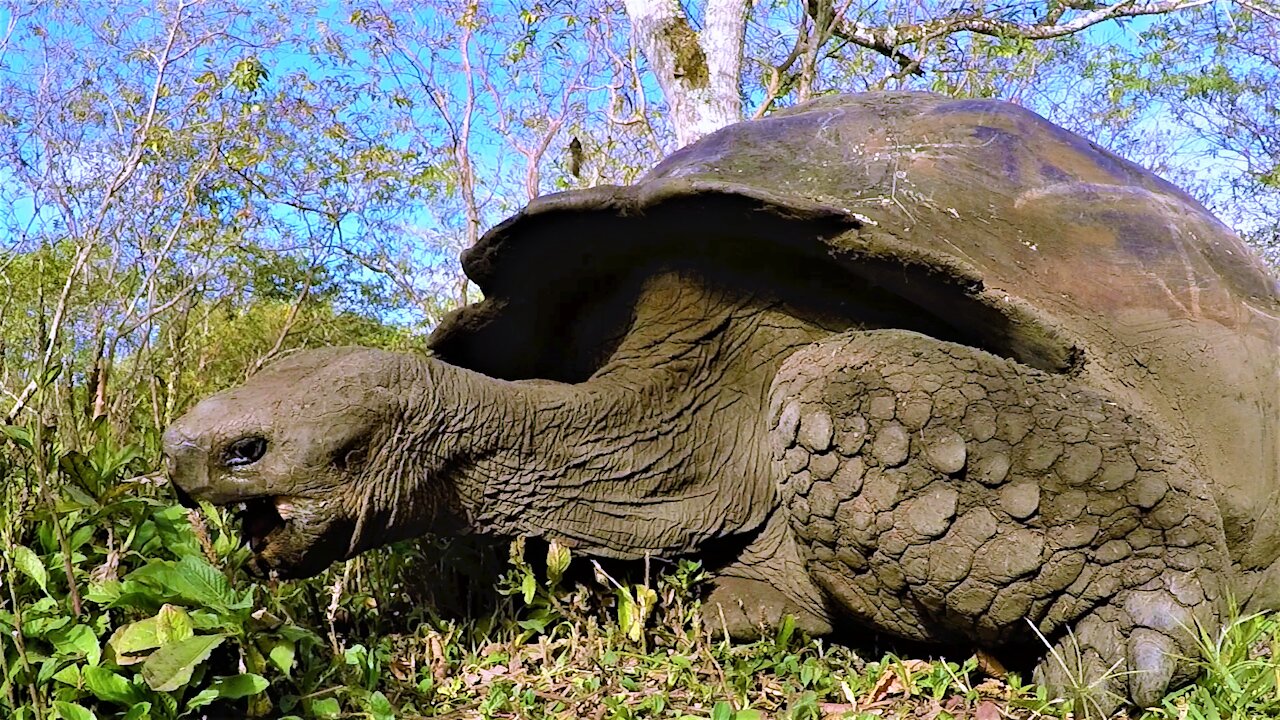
(888, 40)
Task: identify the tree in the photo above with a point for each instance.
(909, 45)
(700, 73)
(140, 162)
(1210, 80)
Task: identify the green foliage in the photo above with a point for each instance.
(169, 627)
(155, 613)
(1241, 674)
(177, 215)
(1197, 90)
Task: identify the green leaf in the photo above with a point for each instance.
(133, 638)
(173, 624)
(20, 435)
(72, 711)
(379, 707)
(29, 564)
(204, 583)
(110, 687)
(528, 587)
(170, 667)
(202, 698)
(238, 686)
(77, 641)
(104, 593)
(282, 654)
(192, 580)
(38, 627)
(230, 688)
(722, 711)
(69, 675)
(558, 557)
(141, 711)
(325, 708)
(785, 632)
(634, 610)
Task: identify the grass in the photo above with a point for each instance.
(115, 603)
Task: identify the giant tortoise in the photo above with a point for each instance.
(934, 367)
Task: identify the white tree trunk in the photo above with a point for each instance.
(699, 73)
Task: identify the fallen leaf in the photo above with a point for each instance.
(436, 659)
(888, 684)
(836, 711)
(990, 687)
(987, 710)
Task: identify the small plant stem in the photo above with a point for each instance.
(64, 544)
(42, 478)
(335, 601)
(37, 702)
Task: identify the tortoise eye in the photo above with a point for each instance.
(245, 451)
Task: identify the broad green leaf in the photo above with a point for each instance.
(69, 675)
(202, 698)
(528, 587)
(325, 708)
(281, 655)
(19, 435)
(170, 667)
(141, 711)
(29, 564)
(204, 583)
(132, 639)
(173, 624)
(38, 627)
(379, 707)
(191, 579)
(72, 711)
(110, 687)
(82, 535)
(79, 641)
(722, 711)
(634, 610)
(238, 686)
(627, 614)
(104, 593)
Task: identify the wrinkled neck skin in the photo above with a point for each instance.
(663, 449)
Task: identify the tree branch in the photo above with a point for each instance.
(888, 40)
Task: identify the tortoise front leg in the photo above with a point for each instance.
(942, 493)
(766, 582)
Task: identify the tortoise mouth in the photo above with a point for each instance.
(286, 537)
(259, 519)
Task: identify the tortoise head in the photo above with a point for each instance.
(301, 451)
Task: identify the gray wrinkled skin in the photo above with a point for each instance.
(936, 368)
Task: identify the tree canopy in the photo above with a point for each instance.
(180, 170)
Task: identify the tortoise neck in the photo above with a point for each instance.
(620, 465)
(660, 451)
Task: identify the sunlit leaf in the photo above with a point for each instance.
(77, 641)
(173, 624)
(72, 711)
(29, 564)
(170, 667)
(110, 687)
(132, 639)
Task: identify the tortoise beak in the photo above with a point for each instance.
(183, 462)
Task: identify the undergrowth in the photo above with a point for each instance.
(117, 603)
